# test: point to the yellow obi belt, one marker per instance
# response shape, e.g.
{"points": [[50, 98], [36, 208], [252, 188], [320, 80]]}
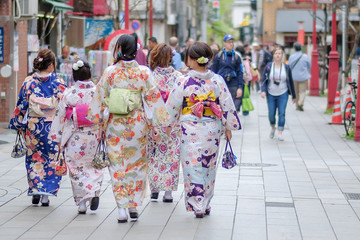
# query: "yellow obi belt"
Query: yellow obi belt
{"points": [[202, 105]]}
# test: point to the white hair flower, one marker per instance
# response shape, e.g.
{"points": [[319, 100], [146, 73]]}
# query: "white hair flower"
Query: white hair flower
{"points": [[78, 65], [75, 67], [202, 60]]}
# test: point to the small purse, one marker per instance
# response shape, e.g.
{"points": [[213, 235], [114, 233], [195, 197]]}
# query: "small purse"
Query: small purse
{"points": [[19, 149], [229, 158], [101, 158], [60, 166]]}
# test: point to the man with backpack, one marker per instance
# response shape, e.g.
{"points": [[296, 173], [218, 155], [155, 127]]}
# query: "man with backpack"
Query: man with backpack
{"points": [[300, 68], [227, 63]]}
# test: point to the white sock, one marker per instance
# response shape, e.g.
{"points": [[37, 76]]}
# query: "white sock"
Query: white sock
{"points": [[82, 205], [132, 209], [45, 199], [168, 194], [122, 213]]}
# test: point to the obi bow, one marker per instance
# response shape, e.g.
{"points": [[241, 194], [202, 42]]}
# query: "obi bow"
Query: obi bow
{"points": [[204, 101]]}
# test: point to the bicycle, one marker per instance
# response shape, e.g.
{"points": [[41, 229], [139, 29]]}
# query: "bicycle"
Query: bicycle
{"points": [[349, 115]]}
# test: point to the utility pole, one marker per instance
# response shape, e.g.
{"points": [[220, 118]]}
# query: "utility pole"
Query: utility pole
{"points": [[204, 15]]}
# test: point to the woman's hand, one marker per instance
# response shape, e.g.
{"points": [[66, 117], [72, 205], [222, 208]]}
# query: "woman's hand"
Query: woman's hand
{"points": [[228, 135], [239, 93], [263, 94], [294, 100]]}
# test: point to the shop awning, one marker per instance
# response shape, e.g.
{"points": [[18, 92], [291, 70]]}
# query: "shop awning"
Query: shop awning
{"points": [[60, 5]]}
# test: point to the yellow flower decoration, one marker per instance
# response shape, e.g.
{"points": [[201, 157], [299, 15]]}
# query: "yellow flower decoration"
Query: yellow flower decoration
{"points": [[202, 60]]}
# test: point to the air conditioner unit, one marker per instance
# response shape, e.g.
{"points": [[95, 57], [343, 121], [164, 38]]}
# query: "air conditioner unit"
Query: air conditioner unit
{"points": [[28, 8]]}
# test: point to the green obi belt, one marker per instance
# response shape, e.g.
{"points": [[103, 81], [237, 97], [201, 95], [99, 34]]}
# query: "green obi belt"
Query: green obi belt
{"points": [[123, 101]]}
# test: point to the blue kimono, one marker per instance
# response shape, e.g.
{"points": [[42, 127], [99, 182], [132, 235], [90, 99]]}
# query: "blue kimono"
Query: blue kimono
{"points": [[33, 115]]}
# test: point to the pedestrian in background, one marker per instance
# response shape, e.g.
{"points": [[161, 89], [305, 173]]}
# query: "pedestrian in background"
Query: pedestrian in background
{"points": [[176, 59], [33, 116], [76, 128], [126, 89], [65, 57], [152, 42], [300, 67], [228, 64], [164, 153], [276, 85], [201, 102]]}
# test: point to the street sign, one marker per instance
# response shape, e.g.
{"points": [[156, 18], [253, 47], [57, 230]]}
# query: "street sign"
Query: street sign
{"points": [[135, 25], [1, 44]]}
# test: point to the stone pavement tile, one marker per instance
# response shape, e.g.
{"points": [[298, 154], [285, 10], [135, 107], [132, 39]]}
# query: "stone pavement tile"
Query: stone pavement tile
{"points": [[250, 172], [344, 221], [250, 206], [313, 220], [250, 226], [283, 232], [303, 190], [251, 190], [252, 179], [279, 199]]}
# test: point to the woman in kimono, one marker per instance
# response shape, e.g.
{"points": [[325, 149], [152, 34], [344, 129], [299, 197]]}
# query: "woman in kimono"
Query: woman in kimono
{"points": [[33, 115], [134, 102], [202, 102], [164, 153], [77, 130]]}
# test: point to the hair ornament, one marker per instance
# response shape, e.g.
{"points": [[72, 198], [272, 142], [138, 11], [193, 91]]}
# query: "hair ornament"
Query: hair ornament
{"points": [[119, 53], [138, 46], [202, 60], [78, 65], [40, 59]]}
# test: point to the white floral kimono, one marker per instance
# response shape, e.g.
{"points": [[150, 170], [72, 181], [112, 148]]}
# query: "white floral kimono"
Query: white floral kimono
{"points": [[164, 154], [126, 135], [76, 127], [200, 132]]}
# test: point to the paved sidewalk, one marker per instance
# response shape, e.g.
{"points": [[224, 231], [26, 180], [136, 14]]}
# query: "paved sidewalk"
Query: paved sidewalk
{"points": [[306, 187]]}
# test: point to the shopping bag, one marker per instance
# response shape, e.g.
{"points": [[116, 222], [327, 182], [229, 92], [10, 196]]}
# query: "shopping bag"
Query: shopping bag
{"points": [[247, 104], [19, 149], [229, 158], [101, 158]]}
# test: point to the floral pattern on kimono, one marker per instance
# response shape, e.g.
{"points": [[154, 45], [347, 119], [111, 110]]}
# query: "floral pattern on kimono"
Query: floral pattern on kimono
{"points": [[41, 151], [79, 142], [200, 137], [126, 136], [164, 154]]}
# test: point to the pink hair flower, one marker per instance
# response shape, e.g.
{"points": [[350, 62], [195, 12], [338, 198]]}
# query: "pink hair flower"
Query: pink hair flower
{"points": [[40, 59]]}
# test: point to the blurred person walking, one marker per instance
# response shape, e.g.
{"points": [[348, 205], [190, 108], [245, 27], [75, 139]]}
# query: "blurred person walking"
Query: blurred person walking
{"points": [[176, 59], [276, 85], [300, 65], [33, 116], [164, 153], [76, 127], [127, 91], [152, 42], [201, 102]]}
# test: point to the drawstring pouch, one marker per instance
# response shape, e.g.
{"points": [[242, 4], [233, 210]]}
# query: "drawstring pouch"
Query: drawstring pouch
{"points": [[19, 149], [229, 158]]}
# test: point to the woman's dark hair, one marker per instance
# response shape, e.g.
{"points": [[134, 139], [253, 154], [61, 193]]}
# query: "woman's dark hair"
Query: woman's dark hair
{"points": [[128, 45], [44, 59], [241, 50], [83, 73], [198, 50], [160, 56]]}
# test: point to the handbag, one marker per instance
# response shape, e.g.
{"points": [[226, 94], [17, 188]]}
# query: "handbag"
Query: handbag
{"points": [[19, 149], [247, 104], [229, 158], [60, 165], [101, 158]]}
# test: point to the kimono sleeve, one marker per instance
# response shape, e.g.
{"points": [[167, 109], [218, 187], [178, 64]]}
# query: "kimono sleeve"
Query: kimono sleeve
{"points": [[155, 105], [102, 91], [230, 117], [175, 100], [57, 126], [17, 121]]}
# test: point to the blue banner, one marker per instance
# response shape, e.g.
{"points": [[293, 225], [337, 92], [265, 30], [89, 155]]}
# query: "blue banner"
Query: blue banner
{"points": [[1, 44]]}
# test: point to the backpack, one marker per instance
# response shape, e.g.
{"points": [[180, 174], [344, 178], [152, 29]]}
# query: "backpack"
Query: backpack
{"points": [[267, 58]]}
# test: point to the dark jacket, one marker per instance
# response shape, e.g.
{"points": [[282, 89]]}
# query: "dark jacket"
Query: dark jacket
{"points": [[229, 66], [289, 80]]}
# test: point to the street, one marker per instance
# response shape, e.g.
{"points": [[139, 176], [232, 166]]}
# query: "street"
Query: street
{"points": [[306, 187]]}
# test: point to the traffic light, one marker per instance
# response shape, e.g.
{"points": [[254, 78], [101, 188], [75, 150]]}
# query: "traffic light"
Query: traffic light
{"points": [[253, 4]]}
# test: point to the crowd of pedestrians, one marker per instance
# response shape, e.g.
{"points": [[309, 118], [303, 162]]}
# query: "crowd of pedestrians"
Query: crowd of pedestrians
{"points": [[152, 118]]}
